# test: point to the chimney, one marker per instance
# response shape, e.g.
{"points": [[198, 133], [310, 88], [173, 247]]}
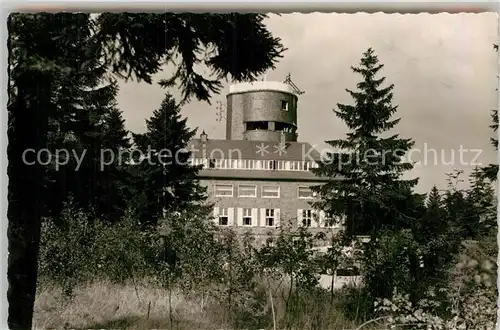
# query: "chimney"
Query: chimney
{"points": [[203, 137]]}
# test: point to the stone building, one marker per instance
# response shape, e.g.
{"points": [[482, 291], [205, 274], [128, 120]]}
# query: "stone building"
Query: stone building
{"points": [[259, 176]]}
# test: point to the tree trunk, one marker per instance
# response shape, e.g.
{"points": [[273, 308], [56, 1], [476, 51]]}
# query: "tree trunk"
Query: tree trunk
{"points": [[27, 129], [332, 286], [272, 306], [230, 293], [290, 293], [170, 314]]}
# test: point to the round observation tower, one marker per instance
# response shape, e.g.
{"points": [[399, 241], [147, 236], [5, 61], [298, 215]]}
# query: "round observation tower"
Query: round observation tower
{"points": [[262, 111]]}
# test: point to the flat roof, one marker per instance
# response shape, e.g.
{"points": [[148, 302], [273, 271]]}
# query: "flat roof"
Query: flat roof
{"points": [[261, 86], [260, 175]]}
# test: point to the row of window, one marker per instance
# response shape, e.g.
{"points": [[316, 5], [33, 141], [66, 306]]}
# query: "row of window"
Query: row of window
{"points": [[250, 164], [249, 217], [270, 126], [250, 190]]}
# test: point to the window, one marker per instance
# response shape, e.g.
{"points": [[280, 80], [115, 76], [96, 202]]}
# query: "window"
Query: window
{"points": [[270, 191], [247, 217], [284, 105], [223, 217], [247, 190], [285, 127], [223, 190], [307, 218], [329, 222], [257, 125], [305, 192], [348, 271], [333, 220], [269, 217]]}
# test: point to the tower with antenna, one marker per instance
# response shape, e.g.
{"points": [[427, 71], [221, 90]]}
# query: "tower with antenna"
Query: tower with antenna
{"points": [[262, 111], [260, 151]]}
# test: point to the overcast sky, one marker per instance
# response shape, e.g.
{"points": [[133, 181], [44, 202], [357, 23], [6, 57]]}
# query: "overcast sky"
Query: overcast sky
{"points": [[443, 67]]}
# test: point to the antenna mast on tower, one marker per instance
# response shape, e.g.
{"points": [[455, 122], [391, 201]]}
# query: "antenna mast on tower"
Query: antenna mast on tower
{"points": [[288, 80], [221, 112]]}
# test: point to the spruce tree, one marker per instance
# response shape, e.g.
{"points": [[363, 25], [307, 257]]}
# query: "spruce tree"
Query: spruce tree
{"points": [[43, 48], [46, 53], [481, 201], [366, 185], [116, 135], [165, 181], [494, 127], [433, 222], [490, 172], [457, 208], [92, 130], [436, 242], [471, 213], [113, 184]]}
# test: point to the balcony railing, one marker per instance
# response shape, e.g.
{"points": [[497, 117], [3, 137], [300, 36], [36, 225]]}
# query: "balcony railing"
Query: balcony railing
{"points": [[251, 164]]}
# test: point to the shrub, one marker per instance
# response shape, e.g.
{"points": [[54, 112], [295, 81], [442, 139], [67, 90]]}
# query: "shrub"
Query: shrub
{"points": [[68, 249], [77, 248]]}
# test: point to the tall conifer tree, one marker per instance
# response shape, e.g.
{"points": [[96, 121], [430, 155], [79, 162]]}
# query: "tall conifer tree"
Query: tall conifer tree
{"points": [[366, 184], [491, 171], [93, 129], [436, 242], [113, 184], [481, 201], [165, 181], [45, 48], [433, 222]]}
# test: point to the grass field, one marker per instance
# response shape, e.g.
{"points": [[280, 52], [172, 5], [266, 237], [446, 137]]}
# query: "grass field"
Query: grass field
{"points": [[103, 305]]}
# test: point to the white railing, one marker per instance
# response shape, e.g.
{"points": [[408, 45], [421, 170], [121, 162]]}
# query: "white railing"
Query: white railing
{"points": [[250, 164]]}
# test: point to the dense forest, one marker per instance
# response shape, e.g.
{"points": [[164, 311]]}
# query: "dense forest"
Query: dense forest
{"points": [[132, 244]]}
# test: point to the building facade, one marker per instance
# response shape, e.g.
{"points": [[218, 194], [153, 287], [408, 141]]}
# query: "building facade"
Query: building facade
{"points": [[259, 177]]}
